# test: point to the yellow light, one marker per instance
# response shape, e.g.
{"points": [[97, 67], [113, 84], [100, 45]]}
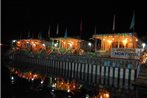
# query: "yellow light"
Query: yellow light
{"points": [[34, 45], [30, 73], [43, 45], [68, 90], [32, 42], [70, 45], [106, 95], [18, 42], [35, 75], [74, 86], [125, 41], [109, 41]]}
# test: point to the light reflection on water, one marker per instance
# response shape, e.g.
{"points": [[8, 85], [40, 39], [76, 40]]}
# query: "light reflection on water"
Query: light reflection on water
{"points": [[35, 85], [57, 84]]}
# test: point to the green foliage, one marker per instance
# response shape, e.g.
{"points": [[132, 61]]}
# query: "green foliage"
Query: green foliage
{"points": [[69, 51], [62, 50], [92, 54]]}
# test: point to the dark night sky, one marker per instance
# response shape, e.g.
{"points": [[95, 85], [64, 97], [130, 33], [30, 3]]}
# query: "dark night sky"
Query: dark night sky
{"points": [[21, 17]]}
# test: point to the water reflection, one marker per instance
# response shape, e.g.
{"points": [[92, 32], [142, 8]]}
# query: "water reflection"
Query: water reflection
{"points": [[35, 85], [103, 94], [56, 84]]}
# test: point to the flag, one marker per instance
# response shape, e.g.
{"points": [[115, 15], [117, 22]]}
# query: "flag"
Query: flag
{"points": [[39, 35], [49, 32], [65, 35], [133, 21], [57, 31], [113, 24]]}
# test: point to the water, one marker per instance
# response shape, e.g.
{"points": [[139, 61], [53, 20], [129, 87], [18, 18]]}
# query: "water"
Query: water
{"points": [[23, 88]]}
